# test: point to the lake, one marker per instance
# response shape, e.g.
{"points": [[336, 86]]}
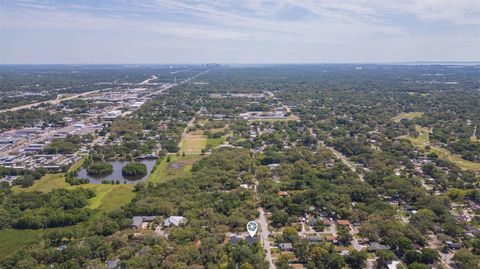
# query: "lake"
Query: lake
{"points": [[117, 173]]}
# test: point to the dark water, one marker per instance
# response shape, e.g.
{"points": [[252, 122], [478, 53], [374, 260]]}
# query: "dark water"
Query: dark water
{"points": [[117, 173]]}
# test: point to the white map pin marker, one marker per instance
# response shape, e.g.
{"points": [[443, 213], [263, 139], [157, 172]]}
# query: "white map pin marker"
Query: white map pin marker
{"points": [[252, 228]]}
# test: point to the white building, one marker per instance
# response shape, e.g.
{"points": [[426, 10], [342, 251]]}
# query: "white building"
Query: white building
{"points": [[113, 114], [175, 220]]}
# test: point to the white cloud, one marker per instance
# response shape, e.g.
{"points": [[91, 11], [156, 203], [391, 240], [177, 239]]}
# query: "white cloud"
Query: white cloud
{"points": [[293, 27]]}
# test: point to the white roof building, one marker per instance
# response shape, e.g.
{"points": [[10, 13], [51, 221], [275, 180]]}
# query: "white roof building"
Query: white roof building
{"points": [[175, 220]]}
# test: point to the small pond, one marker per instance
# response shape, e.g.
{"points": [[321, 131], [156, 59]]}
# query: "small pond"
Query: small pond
{"points": [[117, 173]]}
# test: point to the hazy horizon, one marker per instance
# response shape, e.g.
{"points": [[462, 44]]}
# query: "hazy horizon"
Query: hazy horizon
{"points": [[234, 32]]}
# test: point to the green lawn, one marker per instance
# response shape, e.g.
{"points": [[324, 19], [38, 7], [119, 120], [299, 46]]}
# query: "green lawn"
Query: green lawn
{"points": [[46, 183], [50, 181], [110, 197], [409, 116], [12, 240], [423, 140], [193, 143], [76, 165], [215, 142], [456, 159], [164, 172], [107, 198]]}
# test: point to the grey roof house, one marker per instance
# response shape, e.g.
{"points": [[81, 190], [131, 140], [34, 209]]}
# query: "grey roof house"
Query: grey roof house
{"points": [[286, 246], [138, 220], [375, 246]]}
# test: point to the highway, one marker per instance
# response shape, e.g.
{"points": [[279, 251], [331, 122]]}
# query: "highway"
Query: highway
{"points": [[53, 102], [145, 82]]}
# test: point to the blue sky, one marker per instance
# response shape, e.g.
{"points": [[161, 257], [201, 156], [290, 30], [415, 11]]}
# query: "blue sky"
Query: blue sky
{"points": [[251, 31]]}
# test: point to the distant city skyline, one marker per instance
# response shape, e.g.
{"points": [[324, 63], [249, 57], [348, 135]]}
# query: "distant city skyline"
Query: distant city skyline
{"points": [[235, 32]]}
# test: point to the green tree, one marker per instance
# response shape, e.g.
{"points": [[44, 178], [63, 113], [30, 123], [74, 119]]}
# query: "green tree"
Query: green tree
{"points": [[465, 259], [429, 256], [417, 265], [357, 259]]}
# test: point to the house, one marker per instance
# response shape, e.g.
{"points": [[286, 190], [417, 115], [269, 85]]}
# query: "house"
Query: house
{"points": [[456, 245], [296, 266], [282, 193], [234, 239], [326, 222], [375, 246], [314, 239], [286, 246], [35, 147], [343, 222], [174, 220], [137, 221], [218, 116], [393, 264], [331, 238], [273, 165]]}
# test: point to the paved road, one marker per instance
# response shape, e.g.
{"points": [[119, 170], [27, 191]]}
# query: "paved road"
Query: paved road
{"points": [[153, 77], [189, 124], [345, 160], [264, 232], [342, 157], [371, 263], [54, 102], [446, 259], [185, 131]]}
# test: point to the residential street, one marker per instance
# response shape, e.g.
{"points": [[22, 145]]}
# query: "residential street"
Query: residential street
{"points": [[345, 160], [264, 232]]}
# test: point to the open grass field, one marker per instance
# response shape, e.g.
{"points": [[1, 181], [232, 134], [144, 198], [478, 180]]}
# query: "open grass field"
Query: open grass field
{"points": [[423, 140], [456, 159], [409, 116], [193, 142], [110, 197], [51, 181], [107, 198], [12, 240], [46, 184], [76, 165], [177, 167], [215, 142]]}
